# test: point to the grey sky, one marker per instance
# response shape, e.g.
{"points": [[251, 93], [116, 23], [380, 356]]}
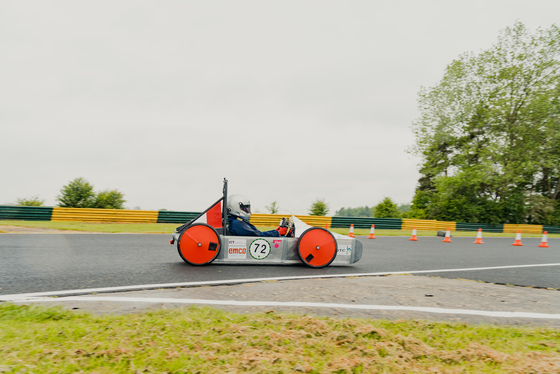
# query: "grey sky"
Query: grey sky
{"points": [[290, 100]]}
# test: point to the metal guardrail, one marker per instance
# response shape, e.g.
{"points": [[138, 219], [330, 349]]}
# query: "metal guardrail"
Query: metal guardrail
{"points": [[529, 229], [365, 223], [166, 216], [552, 229], [425, 224], [259, 219], [29, 213], [486, 227], [104, 215], [8, 212]]}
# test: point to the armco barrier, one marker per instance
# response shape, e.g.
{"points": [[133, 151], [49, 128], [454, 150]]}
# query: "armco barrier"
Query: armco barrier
{"points": [[530, 229], [461, 226], [166, 216], [259, 219], [552, 229], [425, 224], [365, 223], [29, 213], [104, 215], [8, 212]]}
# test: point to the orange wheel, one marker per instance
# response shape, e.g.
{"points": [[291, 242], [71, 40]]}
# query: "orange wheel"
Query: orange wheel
{"points": [[317, 247], [199, 244]]}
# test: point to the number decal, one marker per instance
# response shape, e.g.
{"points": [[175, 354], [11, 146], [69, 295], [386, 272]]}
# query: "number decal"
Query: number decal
{"points": [[259, 249]]}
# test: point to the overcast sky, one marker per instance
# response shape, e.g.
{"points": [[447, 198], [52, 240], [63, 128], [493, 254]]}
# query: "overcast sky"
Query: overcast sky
{"points": [[291, 101]]}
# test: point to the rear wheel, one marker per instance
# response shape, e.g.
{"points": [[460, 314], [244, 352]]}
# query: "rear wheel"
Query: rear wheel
{"points": [[317, 247], [199, 244]]}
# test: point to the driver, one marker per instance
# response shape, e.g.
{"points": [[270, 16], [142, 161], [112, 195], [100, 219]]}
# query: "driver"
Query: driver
{"points": [[239, 209]]}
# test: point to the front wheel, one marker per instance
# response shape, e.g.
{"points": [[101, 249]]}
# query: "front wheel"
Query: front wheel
{"points": [[199, 244]]}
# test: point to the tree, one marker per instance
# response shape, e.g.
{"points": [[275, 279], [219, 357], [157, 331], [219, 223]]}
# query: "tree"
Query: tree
{"points": [[34, 201], [404, 208], [273, 208], [386, 209], [319, 208], [489, 133], [109, 200], [77, 194], [363, 211]]}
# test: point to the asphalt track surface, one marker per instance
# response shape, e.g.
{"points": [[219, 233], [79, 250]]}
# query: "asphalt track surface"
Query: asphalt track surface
{"points": [[31, 263]]}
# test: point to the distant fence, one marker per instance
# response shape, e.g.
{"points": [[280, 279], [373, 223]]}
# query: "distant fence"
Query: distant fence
{"points": [[104, 215], [8, 212], [28, 213], [166, 216]]}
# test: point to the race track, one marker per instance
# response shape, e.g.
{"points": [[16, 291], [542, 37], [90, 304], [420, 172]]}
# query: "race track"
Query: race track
{"points": [[32, 263]]}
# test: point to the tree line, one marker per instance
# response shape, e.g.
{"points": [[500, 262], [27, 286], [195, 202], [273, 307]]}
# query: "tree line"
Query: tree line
{"points": [[79, 193], [489, 134]]}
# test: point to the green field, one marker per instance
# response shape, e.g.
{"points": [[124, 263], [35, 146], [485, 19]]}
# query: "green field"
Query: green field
{"points": [[205, 340], [168, 228]]}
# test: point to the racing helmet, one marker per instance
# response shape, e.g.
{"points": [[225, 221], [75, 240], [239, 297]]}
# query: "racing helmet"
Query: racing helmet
{"points": [[240, 206]]}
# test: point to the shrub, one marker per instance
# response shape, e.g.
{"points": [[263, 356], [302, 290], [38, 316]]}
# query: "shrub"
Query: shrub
{"points": [[33, 201]]}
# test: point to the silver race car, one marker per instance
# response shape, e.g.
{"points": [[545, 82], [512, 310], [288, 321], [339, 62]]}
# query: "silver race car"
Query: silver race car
{"points": [[205, 240]]}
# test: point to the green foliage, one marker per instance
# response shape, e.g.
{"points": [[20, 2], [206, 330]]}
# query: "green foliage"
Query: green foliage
{"points": [[272, 208], [319, 208], [404, 208], [34, 201], [386, 209], [489, 134], [109, 200], [420, 203], [363, 211], [79, 194]]}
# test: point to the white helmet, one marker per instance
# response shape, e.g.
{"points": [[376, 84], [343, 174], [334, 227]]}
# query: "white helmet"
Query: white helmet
{"points": [[240, 206]]}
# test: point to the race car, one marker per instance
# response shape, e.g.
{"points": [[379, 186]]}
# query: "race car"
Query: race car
{"points": [[205, 240]]}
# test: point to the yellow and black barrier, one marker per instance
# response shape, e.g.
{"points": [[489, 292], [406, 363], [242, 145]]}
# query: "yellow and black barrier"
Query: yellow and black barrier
{"points": [[8, 212], [525, 229], [259, 219], [425, 224], [104, 215]]}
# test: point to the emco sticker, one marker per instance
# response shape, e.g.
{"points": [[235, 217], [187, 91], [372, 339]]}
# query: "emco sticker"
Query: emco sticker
{"points": [[344, 250], [259, 249], [237, 249]]}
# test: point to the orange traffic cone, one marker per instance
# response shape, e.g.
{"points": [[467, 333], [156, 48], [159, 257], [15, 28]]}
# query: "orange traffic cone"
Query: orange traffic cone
{"points": [[479, 237], [518, 239], [544, 241], [326, 225], [351, 234], [414, 238], [447, 238], [372, 232]]}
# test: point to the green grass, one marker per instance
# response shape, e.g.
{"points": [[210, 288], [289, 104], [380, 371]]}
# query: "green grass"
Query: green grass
{"points": [[168, 228], [40, 339]]}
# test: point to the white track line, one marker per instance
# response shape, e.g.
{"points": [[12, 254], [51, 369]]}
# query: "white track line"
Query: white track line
{"points": [[485, 313], [86, 291]]}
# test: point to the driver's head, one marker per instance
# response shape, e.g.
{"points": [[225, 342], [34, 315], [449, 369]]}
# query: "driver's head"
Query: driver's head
{"points": [[240, 206]]}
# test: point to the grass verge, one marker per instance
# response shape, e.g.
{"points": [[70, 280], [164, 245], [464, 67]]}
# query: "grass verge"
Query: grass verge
{"points": [[168, 228], [42, 339]]}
